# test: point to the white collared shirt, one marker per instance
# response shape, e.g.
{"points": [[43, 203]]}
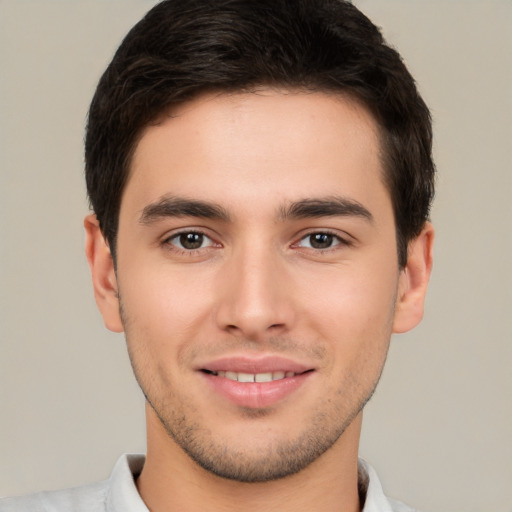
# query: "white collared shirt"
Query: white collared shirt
{"points": [[119, 493]]}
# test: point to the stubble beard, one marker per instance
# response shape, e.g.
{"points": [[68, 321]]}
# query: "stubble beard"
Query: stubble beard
{"points": [[281, 457]]}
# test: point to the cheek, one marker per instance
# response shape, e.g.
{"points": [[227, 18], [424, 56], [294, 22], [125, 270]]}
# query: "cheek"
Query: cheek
{"points": [[160, 322], [351, 300], [160, 295], [163, 311], [352, 313]]}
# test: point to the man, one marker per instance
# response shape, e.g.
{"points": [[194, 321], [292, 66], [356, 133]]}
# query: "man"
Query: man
{"points": [[261, 176]]}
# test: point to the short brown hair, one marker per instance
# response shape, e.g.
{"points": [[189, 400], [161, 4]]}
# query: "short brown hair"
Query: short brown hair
{"points": [[183, 48]]}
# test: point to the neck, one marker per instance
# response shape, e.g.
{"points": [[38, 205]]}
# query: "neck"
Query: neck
{"points": [[170, 480]]}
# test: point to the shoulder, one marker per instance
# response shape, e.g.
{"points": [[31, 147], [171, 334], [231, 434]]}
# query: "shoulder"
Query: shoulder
{"points": [[117, 494], [370, 489], [398, 506], [88, 498]]}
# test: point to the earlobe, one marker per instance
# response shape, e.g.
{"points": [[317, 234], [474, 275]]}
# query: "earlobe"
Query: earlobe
{"points": [[103, 274], [413, 282]]}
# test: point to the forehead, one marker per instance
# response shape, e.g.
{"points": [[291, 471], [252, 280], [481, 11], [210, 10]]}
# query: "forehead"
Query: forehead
{"points": [[264, 144]]}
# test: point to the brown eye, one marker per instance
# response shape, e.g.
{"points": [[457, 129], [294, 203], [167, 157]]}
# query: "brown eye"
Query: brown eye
{"points": [[320, 241], [190, 241]]}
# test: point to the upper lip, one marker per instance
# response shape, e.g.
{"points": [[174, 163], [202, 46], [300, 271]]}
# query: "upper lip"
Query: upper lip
{"points": [[265, 364]]}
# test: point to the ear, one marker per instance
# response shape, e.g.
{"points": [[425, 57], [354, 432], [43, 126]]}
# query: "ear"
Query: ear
{"points": [[103, 274], [413, 281]]}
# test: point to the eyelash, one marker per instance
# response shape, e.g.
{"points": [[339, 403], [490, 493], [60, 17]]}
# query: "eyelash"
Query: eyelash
{"points": [[168, 242], [340, 241]]}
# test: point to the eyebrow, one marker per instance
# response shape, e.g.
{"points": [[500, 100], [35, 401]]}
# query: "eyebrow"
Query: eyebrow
{"points": [[306, 208], [325, 207], [182, 207]]}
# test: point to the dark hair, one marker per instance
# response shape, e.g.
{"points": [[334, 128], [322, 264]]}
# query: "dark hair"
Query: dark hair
{"points": [[182, 48]]}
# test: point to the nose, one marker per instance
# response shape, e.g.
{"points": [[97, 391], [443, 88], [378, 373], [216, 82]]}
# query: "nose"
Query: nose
{"points": [[256, 296]]}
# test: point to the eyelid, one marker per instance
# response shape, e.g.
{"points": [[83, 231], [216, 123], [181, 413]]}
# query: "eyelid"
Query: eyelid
{"points": [[342, 239], [167, 240]]}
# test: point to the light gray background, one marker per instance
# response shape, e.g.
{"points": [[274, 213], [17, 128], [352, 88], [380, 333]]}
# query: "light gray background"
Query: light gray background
{"points": [[439, 427]]}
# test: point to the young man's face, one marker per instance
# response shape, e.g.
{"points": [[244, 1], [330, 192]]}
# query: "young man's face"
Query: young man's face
{"points": [[257, 243]]}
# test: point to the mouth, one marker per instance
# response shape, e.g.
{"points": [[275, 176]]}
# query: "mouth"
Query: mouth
{"points": [[253, 377], [255, 384]]}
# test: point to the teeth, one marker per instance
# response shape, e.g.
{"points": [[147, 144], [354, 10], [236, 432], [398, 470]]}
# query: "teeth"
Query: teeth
{"points": [[263, 377], [255, 377]]}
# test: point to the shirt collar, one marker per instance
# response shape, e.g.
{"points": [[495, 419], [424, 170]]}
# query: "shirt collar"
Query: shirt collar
{"points": [[371, 488], [124, 497]]}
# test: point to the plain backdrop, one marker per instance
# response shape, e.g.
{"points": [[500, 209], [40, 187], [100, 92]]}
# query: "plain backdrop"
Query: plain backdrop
{"points": [[438, 429]]}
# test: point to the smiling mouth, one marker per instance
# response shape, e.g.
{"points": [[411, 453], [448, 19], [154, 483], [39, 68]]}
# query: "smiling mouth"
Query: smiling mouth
{"points": [[255, 385], [253, 377]]}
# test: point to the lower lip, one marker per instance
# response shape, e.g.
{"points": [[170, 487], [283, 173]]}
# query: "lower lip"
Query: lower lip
{"points": [[256, 395]]}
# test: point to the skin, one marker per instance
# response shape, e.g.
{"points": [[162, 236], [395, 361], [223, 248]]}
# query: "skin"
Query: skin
{"points": [[269, 277]]}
